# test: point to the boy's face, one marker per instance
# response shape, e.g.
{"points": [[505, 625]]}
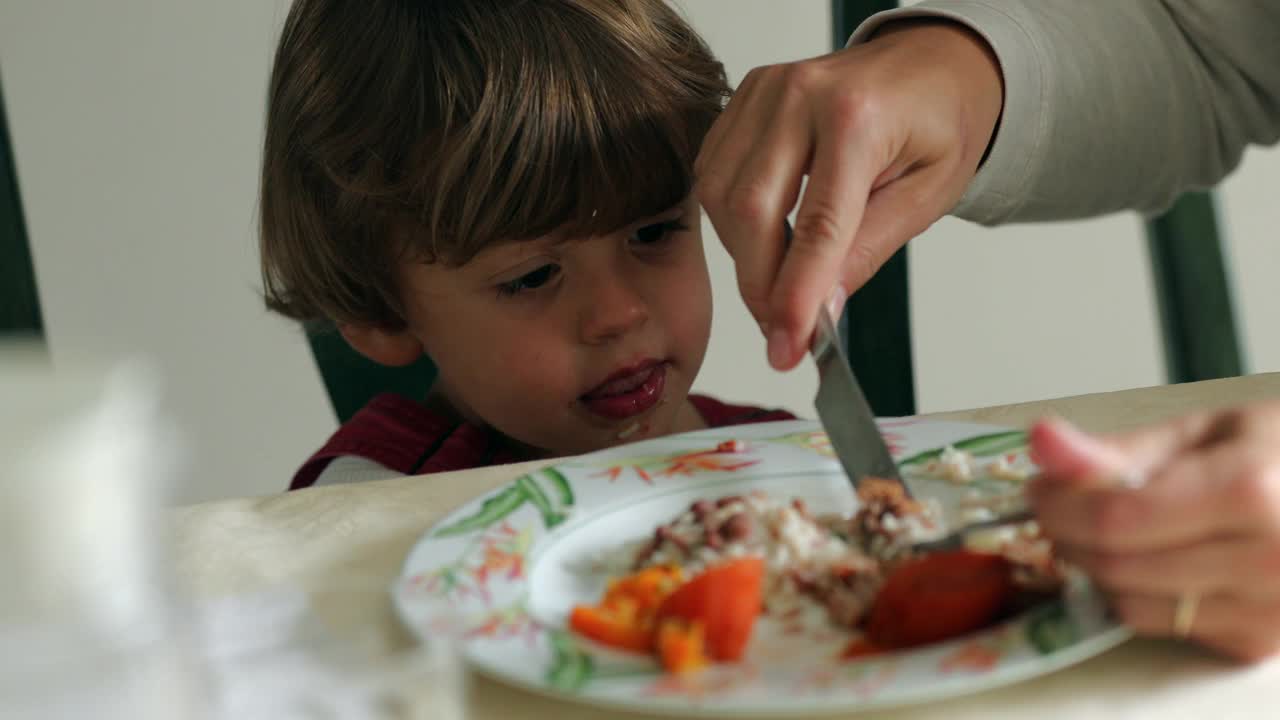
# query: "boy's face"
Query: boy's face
{"points": [[571, 344]]}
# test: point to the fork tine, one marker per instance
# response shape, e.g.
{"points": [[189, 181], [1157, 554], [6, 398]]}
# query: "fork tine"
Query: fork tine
{"points": [[954, 540]]}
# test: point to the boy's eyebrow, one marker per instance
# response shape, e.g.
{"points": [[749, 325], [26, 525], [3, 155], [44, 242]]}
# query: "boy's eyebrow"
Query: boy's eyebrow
{"points": [[543, 243], [558, 238]]}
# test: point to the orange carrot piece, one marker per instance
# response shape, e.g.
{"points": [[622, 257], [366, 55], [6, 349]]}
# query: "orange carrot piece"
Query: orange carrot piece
{"points": [[681, 645], [611, 628]]}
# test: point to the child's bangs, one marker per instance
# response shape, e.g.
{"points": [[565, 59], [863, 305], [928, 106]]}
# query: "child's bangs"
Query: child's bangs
{"points": [[581, 129], [632, 163]]}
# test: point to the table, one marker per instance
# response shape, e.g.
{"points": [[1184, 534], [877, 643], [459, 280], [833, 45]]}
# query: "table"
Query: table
{"points": [[365, 531]]}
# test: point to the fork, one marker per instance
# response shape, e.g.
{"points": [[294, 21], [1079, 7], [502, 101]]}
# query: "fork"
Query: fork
{"points": [[954, 539]]}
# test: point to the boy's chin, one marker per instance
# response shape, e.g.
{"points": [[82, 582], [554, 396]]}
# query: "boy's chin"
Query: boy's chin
{"points": [[591, 434]]}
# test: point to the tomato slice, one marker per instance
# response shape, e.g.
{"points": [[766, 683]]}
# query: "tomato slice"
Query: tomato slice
{"points": [[726, 599], [939, 596]]}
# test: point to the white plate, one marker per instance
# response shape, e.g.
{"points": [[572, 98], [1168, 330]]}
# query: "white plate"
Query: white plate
{"points": [[509, 567]]}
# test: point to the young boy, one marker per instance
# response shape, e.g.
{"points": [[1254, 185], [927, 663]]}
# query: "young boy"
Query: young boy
{"points": [[505, 187]]}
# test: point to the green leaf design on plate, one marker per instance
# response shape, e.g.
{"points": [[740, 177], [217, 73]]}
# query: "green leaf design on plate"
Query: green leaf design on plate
{"points": [[1050, 629], [509, 499], [561, 485], [491, 511], [980, 446], [571, 667], [551, 517]]}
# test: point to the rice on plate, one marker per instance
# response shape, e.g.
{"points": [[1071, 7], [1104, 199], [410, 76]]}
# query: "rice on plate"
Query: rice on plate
{"points": [[756, 554]]}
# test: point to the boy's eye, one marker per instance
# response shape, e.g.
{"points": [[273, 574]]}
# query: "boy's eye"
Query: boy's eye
{"points": [[529, 281], [657, 232]]}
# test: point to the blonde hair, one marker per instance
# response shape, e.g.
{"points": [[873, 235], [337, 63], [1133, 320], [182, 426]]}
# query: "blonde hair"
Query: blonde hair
{"points": [[431, 129]]}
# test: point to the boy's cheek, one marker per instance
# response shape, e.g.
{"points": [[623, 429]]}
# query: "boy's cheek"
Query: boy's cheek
{"points": [[686, 302], [518, 371]]}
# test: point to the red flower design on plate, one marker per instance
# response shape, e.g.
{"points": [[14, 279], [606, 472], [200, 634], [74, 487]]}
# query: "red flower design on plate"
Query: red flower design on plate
{"points": [[727, 456], [973, 656], [497, 553]]}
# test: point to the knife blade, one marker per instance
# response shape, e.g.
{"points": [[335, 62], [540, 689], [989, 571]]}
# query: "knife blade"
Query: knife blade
{"points": [[844, 412], [843, 409]]}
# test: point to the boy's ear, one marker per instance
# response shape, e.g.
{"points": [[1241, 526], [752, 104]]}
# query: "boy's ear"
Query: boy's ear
{"points": [[384, 347]]}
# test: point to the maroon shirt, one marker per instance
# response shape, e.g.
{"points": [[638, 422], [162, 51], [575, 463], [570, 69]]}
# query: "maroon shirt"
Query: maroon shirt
{"points": [[408, 437]]}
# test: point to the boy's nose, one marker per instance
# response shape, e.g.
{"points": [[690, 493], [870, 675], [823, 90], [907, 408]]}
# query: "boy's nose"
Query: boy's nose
{"points": [[611, 310]]}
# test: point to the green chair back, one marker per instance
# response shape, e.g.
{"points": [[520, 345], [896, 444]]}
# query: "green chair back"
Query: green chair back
{"points": [[877, 318], [19, 303], [352, 379], [1193, 292]]}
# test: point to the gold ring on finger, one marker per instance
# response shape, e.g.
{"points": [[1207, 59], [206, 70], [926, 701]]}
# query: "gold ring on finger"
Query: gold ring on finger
{"points": [[1184, 614]]}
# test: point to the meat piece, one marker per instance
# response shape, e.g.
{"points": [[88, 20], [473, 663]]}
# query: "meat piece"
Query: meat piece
{"points": [[728, 500], [738, 527], [883, 496], [711, 536], [666, 535], [880, 525]]}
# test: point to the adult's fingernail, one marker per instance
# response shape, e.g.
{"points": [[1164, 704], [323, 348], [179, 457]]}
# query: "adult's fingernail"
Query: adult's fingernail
{"points": [[1069, 430], [779, 348], [836, 300], [1111, 467], [1131, 479]]}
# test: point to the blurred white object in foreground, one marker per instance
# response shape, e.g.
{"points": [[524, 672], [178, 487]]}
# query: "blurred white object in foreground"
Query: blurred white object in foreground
{"points": [[328, 651], [91, 624], [87, 618]]}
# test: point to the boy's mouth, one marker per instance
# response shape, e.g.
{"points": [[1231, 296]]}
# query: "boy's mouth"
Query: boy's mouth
{"points": [[629, 391]]}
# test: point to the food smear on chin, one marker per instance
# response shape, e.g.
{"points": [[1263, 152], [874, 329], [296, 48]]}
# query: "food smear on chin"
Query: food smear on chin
{"points": [[630, 430]]}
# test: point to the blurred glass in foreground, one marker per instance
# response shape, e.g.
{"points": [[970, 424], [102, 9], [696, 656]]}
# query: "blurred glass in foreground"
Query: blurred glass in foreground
{"points": [[88, 622], [91, 621]]}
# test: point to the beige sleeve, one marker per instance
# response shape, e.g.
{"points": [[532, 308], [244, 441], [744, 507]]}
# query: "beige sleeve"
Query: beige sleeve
{"points": [[1116, 104]]}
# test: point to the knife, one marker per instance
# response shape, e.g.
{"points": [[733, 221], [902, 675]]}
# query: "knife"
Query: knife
{"points": [[843, 409]]}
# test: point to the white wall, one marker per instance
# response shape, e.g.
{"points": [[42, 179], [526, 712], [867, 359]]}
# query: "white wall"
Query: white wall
{"points": [[137, 126]]}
